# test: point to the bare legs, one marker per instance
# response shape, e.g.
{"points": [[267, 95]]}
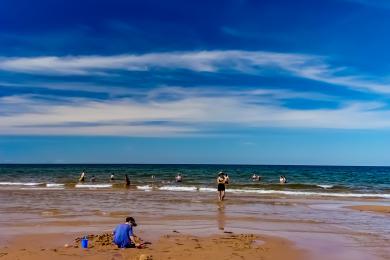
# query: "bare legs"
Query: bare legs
{"points": [[221, 195]]}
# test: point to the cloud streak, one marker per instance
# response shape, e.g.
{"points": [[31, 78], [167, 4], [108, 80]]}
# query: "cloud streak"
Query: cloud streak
{"points": [[174, 110], [227, 61], [200, 61], [190, 113]]}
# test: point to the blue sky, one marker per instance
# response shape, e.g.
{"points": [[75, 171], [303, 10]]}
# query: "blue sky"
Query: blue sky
{"points": [[257, 82]]}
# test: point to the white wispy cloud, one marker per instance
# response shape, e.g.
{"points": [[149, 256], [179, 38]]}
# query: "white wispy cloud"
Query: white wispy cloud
{"points": [[175, 110], [305, 66], [187, 114], [202, 61]]}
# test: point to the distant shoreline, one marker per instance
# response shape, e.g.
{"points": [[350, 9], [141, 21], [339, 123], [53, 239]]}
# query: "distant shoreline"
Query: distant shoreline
{"points": [[200, 164]]}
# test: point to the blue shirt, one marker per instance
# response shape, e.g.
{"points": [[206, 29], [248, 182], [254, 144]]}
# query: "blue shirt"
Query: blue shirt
{"points": [[122, 234]]}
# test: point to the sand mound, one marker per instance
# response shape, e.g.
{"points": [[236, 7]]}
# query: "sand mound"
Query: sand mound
{"points": [[96, 241]]}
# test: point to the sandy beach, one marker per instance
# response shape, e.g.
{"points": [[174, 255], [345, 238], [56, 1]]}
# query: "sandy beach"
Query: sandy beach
{"points": [[37, 224], [172, 246]]}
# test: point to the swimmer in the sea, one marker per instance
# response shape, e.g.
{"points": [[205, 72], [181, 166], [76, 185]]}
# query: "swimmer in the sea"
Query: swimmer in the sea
{"points": [[82, 176], [179, 178], [112, 177], [93, 178], [282, 179], [127, 180], [256, 177]]}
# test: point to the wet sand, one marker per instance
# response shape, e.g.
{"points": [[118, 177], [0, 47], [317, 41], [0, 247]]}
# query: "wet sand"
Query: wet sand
{"points": [[176, 246], [371, 208]]}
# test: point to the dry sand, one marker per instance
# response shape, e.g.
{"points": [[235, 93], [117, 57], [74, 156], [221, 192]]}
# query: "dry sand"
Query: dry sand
{"points": [[372, 208], [176, 246]]}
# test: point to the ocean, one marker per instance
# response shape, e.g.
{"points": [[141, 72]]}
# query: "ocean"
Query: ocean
{"points": [[336, 181]]}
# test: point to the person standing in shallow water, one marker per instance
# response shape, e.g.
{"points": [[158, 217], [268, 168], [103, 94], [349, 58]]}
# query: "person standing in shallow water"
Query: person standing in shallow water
{"points": [[179, 178], [221, 181], [82, 176], [127, 181]]}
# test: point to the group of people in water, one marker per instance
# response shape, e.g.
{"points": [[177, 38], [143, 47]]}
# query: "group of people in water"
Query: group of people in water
{"points": [[222, 181], [178, 178], [123, 234], [93, 178]]}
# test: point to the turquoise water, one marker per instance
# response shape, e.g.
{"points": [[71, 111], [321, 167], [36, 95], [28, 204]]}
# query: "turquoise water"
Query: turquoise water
{"points": [[302, 180]]}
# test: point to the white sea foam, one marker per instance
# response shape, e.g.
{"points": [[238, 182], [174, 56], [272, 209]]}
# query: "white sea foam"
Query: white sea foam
{"points": [[145, 187], [93, 186], [324, 186], [282, 192], [204, 189], [43, 188], [20, 183], [55, 185], [308, 193], [178, 188]]}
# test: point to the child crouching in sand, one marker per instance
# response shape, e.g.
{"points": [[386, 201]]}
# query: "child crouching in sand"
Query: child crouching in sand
{"points": [[124, 235]]}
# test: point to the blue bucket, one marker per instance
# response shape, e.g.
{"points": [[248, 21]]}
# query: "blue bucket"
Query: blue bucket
{"points": [[84, 243]]}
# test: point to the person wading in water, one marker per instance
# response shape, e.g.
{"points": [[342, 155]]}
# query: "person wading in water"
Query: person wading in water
{"points": [[221, 181]]}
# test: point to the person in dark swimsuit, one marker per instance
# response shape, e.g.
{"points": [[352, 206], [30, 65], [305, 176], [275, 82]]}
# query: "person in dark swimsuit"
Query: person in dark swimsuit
{"points": [[179, 178], [127, 181], [221, 180]]}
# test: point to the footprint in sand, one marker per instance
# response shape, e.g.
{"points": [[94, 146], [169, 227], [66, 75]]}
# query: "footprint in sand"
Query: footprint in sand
{"points": [[145, 257], [116, 257]]}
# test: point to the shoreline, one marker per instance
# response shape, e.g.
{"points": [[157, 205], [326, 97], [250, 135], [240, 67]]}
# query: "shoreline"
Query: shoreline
{"points": [[273, 190]]}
